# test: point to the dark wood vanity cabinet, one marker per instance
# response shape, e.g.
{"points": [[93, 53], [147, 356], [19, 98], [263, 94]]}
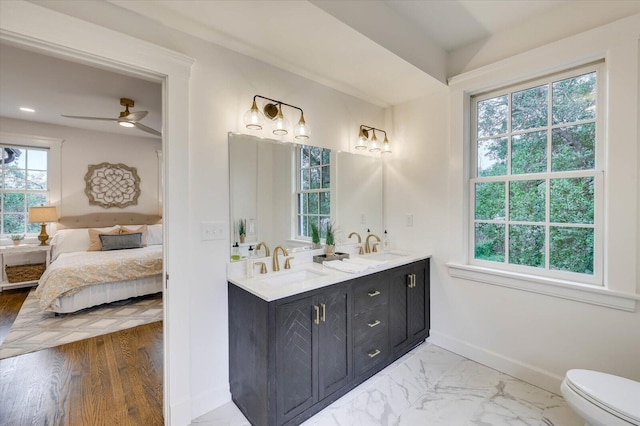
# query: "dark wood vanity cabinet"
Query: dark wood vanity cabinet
{"points": [[312, 350], [409, 306], [292, 357]]}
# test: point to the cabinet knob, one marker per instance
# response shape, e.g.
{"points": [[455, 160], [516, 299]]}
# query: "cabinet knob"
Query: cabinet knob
{"points": [[374, 353], [373, 324], [373, 293]]}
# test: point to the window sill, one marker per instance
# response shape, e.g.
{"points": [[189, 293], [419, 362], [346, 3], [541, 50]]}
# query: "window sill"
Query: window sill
{"points": [[551, 287]]}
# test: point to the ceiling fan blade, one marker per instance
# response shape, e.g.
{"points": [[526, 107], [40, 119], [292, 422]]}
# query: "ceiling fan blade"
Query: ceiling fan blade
{"points": [[147, 129], [90, 118], [136, 116]]}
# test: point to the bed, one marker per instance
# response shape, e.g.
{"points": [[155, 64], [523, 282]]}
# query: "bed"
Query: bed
{"points": [[81, 276]]}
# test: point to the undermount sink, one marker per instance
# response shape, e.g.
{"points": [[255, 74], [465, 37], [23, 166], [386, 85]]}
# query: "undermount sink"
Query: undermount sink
{"points": [[290, 277], [389, 255]]}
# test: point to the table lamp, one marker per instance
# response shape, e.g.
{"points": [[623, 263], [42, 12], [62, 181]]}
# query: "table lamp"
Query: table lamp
{"points": [[43, 215]]}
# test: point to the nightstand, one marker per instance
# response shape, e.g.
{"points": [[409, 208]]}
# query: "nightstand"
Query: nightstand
{"points": [[8, 252]]}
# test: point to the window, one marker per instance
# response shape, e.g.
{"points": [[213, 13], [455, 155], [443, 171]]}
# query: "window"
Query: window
{"points": [[23, 184], [313, 190], [536, 191]]}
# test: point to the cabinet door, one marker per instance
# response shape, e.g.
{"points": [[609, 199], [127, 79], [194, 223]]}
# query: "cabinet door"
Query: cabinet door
{"points": [[418, 303], [295, 361], [409, 305], [333, 342]]}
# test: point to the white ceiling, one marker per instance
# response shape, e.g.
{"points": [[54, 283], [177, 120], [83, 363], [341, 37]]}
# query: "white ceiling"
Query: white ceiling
{"points": [[383, 51], [53, 87]]}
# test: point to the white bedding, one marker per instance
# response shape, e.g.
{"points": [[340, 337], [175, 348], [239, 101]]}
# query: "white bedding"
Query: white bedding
{"points": [[106, 293], [73, 272]]}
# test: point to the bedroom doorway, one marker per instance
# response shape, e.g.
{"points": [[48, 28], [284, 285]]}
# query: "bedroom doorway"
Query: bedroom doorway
{"points": [[119, 53]]}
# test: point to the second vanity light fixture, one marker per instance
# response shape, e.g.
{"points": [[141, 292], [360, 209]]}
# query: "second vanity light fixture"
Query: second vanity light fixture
{"points": [[373, 145], [254, 119]]}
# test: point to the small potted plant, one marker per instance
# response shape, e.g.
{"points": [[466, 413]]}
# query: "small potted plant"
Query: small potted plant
{"points": [[315, 236], [330, 242], [17, 239], [242, 230]]}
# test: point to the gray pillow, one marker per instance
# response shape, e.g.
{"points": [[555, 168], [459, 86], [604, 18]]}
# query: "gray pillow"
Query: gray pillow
{"points": [[121, 241]]}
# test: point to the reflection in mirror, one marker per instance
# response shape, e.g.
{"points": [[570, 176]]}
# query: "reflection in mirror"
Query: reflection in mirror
{"points": [[279, 189]]}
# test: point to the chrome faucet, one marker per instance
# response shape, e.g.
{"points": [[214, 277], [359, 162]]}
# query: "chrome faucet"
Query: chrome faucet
{"points": [[267, 253], [359, 241], [276, 264], [367, 247]]}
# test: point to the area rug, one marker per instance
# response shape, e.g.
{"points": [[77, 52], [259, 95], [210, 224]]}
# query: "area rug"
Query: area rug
{"points": [[34, 330]]}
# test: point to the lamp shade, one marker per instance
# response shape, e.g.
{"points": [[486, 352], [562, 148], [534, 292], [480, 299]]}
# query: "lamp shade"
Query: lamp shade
{"points": [[42, 214]]}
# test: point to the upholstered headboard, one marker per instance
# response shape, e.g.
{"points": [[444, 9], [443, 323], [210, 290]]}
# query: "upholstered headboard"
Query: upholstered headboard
{"points": [[100, 220]]}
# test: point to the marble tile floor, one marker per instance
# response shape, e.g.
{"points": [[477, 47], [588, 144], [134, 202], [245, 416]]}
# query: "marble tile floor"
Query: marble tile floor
{"points": [[432, 386]]}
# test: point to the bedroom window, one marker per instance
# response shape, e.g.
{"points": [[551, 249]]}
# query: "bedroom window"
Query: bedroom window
{"points": [[313, 190], [23, 184], [536, 190]]}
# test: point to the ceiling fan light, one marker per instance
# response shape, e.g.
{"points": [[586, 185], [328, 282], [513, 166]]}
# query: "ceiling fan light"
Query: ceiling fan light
{"points": [[302, 129], [254, 119], [126, 124], [281, 124]]}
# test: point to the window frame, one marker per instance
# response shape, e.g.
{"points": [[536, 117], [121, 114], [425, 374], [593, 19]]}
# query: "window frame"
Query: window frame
{"points": [[54, 160], [598, 174], [298, 190]]}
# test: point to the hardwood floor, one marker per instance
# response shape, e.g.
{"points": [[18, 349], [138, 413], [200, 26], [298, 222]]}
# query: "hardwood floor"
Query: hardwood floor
{"points": [[113, 379], [10, 303]]}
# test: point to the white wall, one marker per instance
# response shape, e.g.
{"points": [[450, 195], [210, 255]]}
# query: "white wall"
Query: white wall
{"points": [[83, 147], [533, 336], [221, 88], [528, 333]]}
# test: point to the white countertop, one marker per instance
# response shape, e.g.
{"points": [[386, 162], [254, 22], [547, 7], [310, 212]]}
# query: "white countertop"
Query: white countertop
{"points": [[308, 276]]}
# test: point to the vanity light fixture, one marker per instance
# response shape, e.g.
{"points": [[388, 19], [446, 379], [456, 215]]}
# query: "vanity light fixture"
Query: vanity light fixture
{"points": [[254, 118], [373, 145]]}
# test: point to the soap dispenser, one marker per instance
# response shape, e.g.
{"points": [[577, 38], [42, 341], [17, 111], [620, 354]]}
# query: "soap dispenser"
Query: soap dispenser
{"points": [[386, 244], [235, 251], [250, 262]]}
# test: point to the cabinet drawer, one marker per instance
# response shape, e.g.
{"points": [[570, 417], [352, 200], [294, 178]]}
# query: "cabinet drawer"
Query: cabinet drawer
{"points": [[370, 322], [367, 295], [370, 349]]}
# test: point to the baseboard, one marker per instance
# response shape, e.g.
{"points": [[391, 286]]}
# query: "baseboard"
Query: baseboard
{"points": [[179, 414], [209, 400], [528, 373]]}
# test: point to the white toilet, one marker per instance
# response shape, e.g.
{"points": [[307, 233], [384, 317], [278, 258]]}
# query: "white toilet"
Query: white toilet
{"points": [[602, 399]]}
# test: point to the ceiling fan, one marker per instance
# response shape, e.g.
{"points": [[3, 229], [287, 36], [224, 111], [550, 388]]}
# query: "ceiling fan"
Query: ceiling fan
{"points": [[126, 119]]}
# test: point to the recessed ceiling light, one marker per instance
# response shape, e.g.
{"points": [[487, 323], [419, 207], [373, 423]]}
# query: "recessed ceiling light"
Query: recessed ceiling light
{"points": [[26, 109]]}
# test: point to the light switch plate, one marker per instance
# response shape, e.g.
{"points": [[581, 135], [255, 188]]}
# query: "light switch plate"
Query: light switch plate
{"points": [[210, 231]]}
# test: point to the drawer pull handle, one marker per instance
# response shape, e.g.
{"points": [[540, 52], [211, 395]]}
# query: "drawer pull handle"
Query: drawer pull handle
{"points": [[374, 353], [373, 324], [411, 278], [323, 317], [317, 319], [373, 293]]}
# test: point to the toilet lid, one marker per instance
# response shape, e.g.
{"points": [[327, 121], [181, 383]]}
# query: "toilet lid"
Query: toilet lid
{"points": [[615, 394]]}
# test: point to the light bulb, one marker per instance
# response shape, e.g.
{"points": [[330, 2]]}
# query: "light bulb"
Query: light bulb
{"points": [[302, 130], [374, 146], [362, 141], [281, 124], [386, 149], [126, 124], [253, 119]]}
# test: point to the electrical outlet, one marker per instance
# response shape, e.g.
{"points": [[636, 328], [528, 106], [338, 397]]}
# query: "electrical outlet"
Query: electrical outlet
{"points": [[210, 231]]}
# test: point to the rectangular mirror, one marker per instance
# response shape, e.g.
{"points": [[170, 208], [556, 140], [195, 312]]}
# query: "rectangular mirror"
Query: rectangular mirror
{"points": [[278, 189]]}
